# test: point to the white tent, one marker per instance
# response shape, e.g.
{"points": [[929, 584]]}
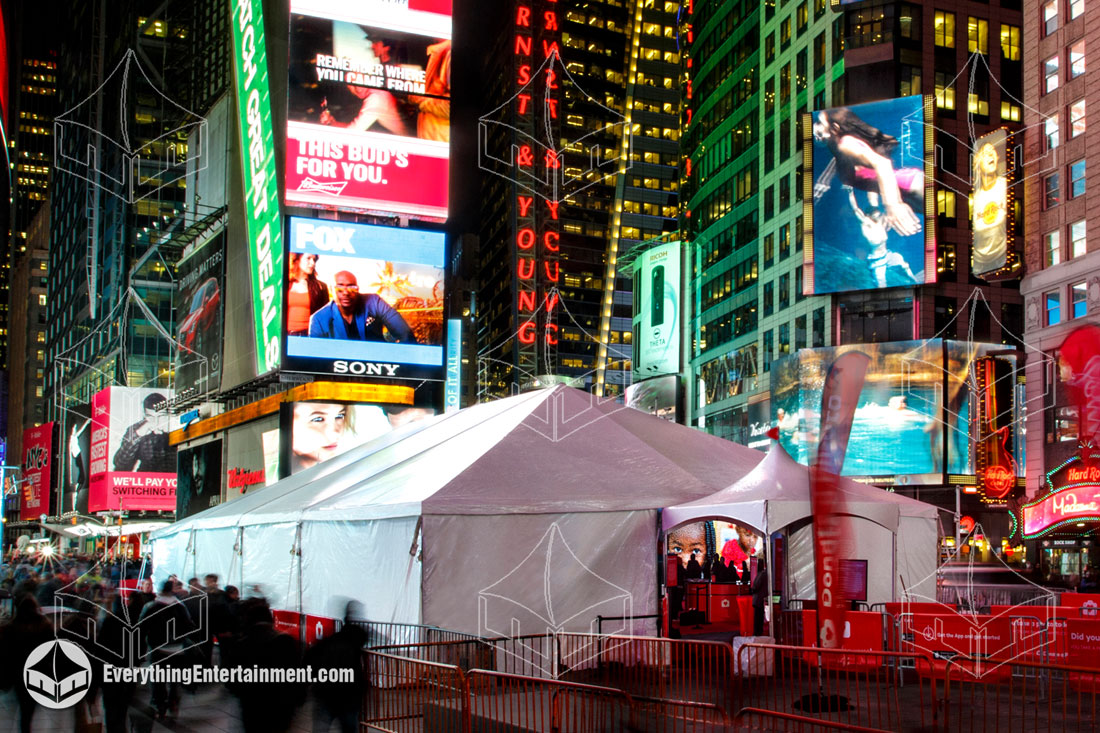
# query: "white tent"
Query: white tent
{"points": [[536, 511], [896, 535]]}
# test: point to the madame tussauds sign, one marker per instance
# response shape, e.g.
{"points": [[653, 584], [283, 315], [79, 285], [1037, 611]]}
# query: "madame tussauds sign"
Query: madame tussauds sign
{"points": [[1079, 503]]}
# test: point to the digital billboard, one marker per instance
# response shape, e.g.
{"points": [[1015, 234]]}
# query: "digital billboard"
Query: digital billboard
{"points": [[657, 311], [252, 456], [200, 305], [658, 396], [989, 222], [705, 542], [132, 465], [76, 436], [364, 300], [323, 430], [37, 471], [369, 110], [199, 474], [868, 206]]}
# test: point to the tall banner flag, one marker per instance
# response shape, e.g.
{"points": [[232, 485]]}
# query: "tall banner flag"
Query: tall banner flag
{"points": [[1080, 355], [838, 406]]}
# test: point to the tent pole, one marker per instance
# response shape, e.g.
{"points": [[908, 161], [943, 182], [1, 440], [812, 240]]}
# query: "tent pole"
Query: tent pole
{"points": [[771, 572]]}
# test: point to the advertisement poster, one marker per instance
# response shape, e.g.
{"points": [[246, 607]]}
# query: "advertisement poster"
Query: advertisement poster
{"points": [[200, 304], [722, 548], [364, 300], [199, 476], [657, 311], [659, 396], [132, 465], [369, 108], [898, 426], [37, 464], [990, 198], [323, 430], [252, 456], [867, 225], [76, 435]]}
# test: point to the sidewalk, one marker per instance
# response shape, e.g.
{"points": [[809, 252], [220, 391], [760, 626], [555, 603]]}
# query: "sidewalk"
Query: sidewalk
{"points": [[211, 708]]}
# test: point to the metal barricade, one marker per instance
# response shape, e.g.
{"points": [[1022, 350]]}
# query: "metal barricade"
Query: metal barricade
{"points": [[409, 695], [769, 720]]}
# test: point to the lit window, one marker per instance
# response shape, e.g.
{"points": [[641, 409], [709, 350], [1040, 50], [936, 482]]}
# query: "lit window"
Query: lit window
{"points": [[42, 300], [1078, 298], [1077, 178], [977, 35], [1077, 59], [1077, 118], [1053, 248], [945, 91], [945, 29], [1050, 16], [1076, 7], [1052, 191], [1050, 129], [1010, 112], [976, 105], [945, 203], [1050, 74], [1077, 242], [1010, 42], [1053, 307]]}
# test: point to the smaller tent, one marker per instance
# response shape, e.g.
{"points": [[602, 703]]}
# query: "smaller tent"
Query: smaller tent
{"points": [[895, 534]]}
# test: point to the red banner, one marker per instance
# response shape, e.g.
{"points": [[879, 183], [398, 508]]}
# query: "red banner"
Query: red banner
{"points": [[1080, 354], [838, 406], [1089, 603], [37, 455]]}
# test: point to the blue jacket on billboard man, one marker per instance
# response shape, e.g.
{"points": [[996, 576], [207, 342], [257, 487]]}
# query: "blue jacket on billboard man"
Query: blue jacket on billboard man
{"points": [[358, 317]]}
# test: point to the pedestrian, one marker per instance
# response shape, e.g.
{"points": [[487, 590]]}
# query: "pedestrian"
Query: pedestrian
{"points": [[217, 611], [759, 597], [161, 638], [18, 638], [266, 707], [339, 701], [113, 640]]}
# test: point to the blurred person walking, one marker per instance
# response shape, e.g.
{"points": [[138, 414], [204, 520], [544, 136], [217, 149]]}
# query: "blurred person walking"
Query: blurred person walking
{"points": [[18, 638], [339, 701], [266, 707]]}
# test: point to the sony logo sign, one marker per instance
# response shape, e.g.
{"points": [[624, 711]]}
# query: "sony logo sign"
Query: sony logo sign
{"points": [[325, 237], [341, 366]]}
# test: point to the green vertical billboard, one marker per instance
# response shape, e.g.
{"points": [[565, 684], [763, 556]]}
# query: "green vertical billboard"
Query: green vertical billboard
{"points": [[657, 311], [261, 185]]}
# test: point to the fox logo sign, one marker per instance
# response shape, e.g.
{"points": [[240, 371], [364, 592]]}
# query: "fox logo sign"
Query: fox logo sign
{"points": [[325, 237]]}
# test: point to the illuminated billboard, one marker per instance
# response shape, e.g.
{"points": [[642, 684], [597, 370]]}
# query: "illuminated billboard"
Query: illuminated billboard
{"points": [[659, 396], [37, 471], [868, 206], [200, 304], [369, 110], [657, 311], [199, 476], [989, 221], [132, 466], [364, 300], [261, 184], [323, 430]]}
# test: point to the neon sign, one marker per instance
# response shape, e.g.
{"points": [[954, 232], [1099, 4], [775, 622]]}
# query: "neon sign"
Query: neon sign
{"points": [[1074, 496]]}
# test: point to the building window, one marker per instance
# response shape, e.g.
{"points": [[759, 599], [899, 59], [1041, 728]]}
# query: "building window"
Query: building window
{"points": [[1077, 242], [945, 29], [42, 299], [1077, 118], [909, 81], [798, 284], [945, 92], [769, 298], [800, 333], [818, 329], [945, 203], [785, 33], [769, 350], [784, 193], [784, 241], [785, 84], [1053, 307], [1050, 129], [1010, 42], [1076, 7], [784, 291], [769, 249], [803, 16], [1078, 298], [1050, 16], [1077, 178], [909, 22], [769, 96], [1050, 75], [1010, 112], [1052, 191], [784, 339], [820, 59], [769, 48], [977, 35], [1053, 248], [1077, 59]]}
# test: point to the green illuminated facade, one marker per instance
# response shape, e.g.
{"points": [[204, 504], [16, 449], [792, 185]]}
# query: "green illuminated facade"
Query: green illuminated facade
{"points": [[753, 68]]}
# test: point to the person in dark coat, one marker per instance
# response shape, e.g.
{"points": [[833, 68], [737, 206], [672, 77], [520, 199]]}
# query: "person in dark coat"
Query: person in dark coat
{"points": [[113, 640], [161, 617], [759, 597], [339, 701], [18, 638], [265, 707]]}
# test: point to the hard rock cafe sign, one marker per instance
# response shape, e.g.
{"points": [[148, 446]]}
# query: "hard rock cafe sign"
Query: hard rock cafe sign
{"points": [[1073, 496]]}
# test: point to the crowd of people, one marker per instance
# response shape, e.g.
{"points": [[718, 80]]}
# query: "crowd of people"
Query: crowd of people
{"points": [[195, 623]]}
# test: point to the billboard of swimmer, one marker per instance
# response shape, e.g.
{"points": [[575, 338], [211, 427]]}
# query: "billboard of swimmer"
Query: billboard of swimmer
{"points": [[869, 219]]}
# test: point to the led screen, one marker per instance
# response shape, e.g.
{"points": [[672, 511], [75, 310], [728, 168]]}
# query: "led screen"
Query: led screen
{"points": [[200, 304], [659, 396], [200, 478], [898, 427], [657, 311], [132, 465], [37, 471], [364, 300], [323, 430], [369, 105], [720, 548], [989, 221], [76, 435], [867, 217]]}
